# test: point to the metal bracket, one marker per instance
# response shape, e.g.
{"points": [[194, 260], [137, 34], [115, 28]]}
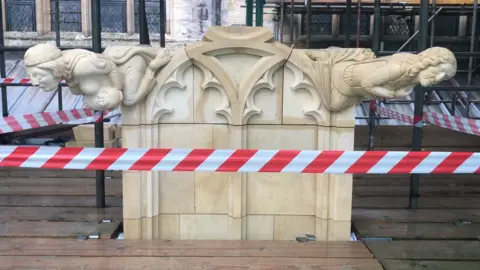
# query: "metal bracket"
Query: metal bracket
{"points": [[306, 238], [95, 235], [82, 237], [461, 222]]}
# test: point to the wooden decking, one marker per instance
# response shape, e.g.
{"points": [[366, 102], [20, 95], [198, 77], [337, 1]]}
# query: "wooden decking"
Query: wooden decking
{"points": [[443, 233], [43, 212], [56, 204], [199, 254]]}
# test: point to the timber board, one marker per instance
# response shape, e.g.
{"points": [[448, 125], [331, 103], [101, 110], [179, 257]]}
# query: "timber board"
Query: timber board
{"points": [[425, 249], [59, 229], [183, 254], [160, 263], [57, 201], [186, 248], [56, 181], [59, 213], [111, 189], [425, 180], [429, 265], [401, 136], [424, 231], [416, 215], [423, 202], [34, 172], [425, 191]]}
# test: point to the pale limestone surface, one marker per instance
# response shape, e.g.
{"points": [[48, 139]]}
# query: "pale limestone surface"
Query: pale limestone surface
{"points": [[122, 74], [239, 89]]}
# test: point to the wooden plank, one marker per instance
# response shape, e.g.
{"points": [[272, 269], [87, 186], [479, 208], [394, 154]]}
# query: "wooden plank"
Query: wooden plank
{"points": [[187, 248], [59, 213], [56, 181], [402, 180], [426, 231], [415, 215], [423, 202], [59, 201], [425, 250], [401, 136], [30, 172], [110, 190], [46, 229], [188, 263], [430, 191], [428, 265]]}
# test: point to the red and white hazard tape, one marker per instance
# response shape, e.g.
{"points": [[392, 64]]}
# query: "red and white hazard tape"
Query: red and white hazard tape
{"points": [[18, 81], [461, 124], [29, 121], [226, 160]]}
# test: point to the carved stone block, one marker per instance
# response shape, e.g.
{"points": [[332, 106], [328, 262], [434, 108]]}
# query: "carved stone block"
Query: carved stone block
{"points": [[237, 88]]}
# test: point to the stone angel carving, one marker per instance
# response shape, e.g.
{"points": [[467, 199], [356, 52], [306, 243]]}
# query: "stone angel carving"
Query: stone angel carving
{"points": [[121, 74], [344, 77]]}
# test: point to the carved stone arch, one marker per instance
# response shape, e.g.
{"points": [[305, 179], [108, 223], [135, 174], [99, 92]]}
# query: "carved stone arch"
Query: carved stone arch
{"points": [[253, 41], [305, 79], [171, 76]]}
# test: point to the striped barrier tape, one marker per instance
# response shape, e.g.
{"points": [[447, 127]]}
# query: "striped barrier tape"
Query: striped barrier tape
{"points": [[18, 81], [29, 121], [227, 160], [461, 124]]}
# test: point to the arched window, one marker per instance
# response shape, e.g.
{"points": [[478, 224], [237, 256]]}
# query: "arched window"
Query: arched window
{"points": [[152, 8], [70, 15], [20, 15], [113, 16]]}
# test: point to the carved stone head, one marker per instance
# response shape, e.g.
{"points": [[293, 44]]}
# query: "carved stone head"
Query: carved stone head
{"points": [[44, 66], [436, 64]]}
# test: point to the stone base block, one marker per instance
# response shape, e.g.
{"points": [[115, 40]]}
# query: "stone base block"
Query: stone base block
{"points": [[87, 132], [224, 227]]}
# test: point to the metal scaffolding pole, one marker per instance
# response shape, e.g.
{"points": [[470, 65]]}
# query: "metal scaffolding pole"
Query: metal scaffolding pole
{"points": [[282, 11], [348, 17], [57, 41], [259, 13], [418, 31], [359, 15], [163, 22], [292, 18], [376, 27], [472, 49], [432, 29], [308, 28], [418, 111], [249, 11], [97, 48], [142, 23], [375, 49], [3, 71]]}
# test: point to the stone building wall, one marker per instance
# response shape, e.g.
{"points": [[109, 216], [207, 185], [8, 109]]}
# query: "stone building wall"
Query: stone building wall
{"points": [[28, 22]]}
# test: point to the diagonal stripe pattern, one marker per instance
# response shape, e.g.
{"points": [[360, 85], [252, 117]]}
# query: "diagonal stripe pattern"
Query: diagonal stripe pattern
{"points": [[461, 124], [28, 121], [231, 160]]}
